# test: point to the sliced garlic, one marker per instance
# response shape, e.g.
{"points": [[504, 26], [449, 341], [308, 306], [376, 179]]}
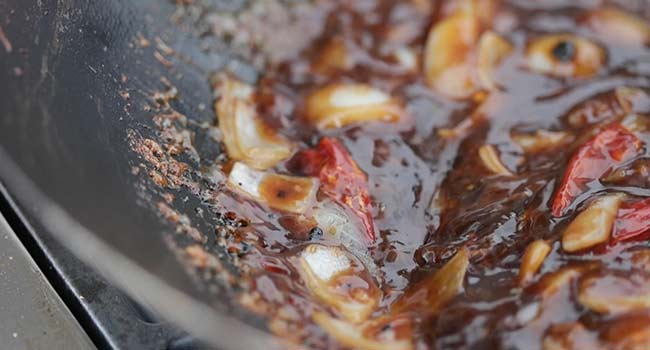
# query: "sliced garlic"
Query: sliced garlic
{"points": [[620, 26], [325, 262], [628, 332], [447, 55], [390, 327], [491, 160], [492, 50], [334, 56], [338, 105], [246, 136], [533, 258], [406, 58], [484, 10], [459, 130], [552, 282], [438, 289], [340, 227], [593, 225], [641, 259], [633, 100], [565, 55], [354, 337], [552, 286], [593, 111], [288, 193], [635, 123], [541, 140], [570, 336], [615, 294], [339, 280]]}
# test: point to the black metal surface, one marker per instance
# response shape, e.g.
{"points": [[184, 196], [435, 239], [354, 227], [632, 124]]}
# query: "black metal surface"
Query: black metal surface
{"points": [[64, 122], [33, 316], [110, 318]]}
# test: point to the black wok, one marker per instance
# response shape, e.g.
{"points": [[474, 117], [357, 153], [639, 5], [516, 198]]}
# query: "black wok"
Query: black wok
{"points": [[65, 158]]}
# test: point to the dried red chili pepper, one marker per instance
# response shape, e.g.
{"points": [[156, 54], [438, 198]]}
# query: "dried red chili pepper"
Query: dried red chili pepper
{"points": [[632, 221], [597, 157], [341, 179]]}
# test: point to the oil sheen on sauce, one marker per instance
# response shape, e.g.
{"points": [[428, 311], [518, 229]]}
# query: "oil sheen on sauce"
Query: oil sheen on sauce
{"points": [[432, 194]]}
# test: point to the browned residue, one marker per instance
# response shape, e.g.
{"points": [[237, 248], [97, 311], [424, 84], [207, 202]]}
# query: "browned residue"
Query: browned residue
{"points": [[160, 58], [5, 41], [166, 171], [183, 224]]}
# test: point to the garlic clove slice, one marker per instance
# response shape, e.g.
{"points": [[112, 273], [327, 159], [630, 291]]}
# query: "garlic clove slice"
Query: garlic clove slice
{"points": [[620, 26], [338, 105], [288, 193], [447, 55], [533, 258], [492, 161], [339, 280], [492, 50], [565, 56], [608, 294], [438, 289], [353, 337], [593, 225], [246, 136]]}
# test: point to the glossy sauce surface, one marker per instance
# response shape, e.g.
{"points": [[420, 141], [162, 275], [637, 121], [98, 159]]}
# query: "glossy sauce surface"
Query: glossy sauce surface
{"points": [[432, 193]]}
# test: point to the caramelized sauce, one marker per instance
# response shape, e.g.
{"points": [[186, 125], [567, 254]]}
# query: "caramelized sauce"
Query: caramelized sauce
{"points": [[432, 195]]}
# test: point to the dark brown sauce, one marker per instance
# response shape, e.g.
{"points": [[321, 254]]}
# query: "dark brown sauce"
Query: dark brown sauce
{"points": [[432, 195]]}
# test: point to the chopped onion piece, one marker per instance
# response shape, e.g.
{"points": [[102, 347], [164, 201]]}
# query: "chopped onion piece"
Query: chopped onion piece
{"points": [[339, 280], [570, 336], [629, 331], [325, 262], [246, 136], [552, 282], [633, 100], [533, 258], [459, 130], [492, 50], [435, 291], [541, 140], [484, 10], [334, 56], [288, 193], [636, 123], [615, 294], [593, 225], [641, 259], [338, 105], [491, 160], [354, 337], [619, 26], [406, 58], [528, 313], [338, 226], [448, 52], [565, 55]]}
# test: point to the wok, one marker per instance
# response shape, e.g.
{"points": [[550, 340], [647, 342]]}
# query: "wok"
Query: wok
{"points": [[66, 161]]}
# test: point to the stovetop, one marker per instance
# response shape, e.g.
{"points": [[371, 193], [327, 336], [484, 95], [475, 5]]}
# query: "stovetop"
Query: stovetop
{"points": [[49, 299], [33, 315]]}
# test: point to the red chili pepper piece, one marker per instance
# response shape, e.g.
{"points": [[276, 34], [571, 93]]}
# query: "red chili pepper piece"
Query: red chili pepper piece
{"points": [[341, 179], [632, 222], [597, 157]]}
